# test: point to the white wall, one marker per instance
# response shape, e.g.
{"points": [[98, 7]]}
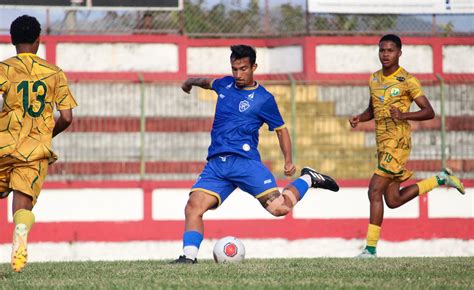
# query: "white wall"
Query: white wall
{"points": [[168, 204], [117, 57], [215, 60], [88, 204], [458, 59], [122, 204], [164, 57], [7, 50], [364, 58]]}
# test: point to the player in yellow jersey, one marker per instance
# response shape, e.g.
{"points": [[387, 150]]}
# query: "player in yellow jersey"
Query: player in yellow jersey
{"points": [[392, 91], [31, 89]]}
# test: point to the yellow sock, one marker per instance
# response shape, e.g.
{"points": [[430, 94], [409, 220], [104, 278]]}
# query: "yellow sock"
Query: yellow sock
{"points": [[427, 185], [373, 235], [24, 216]]}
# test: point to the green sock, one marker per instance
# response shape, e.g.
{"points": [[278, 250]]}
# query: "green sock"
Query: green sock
{"points": [[440, 181], [370, 249]]}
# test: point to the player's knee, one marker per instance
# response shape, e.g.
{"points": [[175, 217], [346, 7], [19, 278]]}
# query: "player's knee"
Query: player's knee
{"points": [[280, 211], [375, 196], [194, 208], [392, 202], [392, 205], [281, 205], [22, 201]]}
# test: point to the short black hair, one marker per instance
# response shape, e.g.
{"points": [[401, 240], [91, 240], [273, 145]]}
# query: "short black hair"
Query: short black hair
{"points": [[241, 51], [25, 29], [393, 38]]}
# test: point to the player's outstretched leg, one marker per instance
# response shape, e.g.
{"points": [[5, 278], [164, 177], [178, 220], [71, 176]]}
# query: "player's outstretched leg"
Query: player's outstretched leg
{"points": [[450, 180], [183, 260], [19, 249], [319, 180]]}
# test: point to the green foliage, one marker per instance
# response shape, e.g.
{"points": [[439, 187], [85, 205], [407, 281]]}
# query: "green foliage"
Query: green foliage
{"points": [[345, 22], [447, 29], [356, 23], [386, 273], [201, 18], [320, 23], [195, 17], [221, 19], [383, 22], [292, 19]]}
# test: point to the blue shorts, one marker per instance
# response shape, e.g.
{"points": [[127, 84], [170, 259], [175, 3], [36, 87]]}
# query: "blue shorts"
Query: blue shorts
{"points": [[224, 173]]}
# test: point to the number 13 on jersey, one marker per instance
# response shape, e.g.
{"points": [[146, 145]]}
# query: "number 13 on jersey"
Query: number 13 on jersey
{"points": [[40, 89]]}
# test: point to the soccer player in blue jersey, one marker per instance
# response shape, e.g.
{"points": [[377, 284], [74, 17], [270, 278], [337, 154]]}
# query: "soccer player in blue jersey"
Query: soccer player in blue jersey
{"points": [[243, 106]]}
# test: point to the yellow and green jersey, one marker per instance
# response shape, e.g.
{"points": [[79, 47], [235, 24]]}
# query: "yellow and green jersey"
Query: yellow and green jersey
{"points": [[31, 89], [399, 90]]}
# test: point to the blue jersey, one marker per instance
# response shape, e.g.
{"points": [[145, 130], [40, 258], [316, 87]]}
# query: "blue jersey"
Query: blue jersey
{"points": [[239, 115]]}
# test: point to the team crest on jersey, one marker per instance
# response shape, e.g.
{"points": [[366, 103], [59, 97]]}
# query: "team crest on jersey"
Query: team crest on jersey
{"points": [[394, 92], [229, 86], [243, 105]]}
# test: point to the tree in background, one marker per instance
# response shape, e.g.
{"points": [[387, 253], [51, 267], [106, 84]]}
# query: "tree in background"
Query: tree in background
{"points": [[291, 19]]}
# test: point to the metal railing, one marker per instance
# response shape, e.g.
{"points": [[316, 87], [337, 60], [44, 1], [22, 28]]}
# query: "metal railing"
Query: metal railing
{"points": [[153, 131]]}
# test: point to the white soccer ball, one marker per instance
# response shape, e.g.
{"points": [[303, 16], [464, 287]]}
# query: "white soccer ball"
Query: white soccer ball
{"points": [[229, 250]]}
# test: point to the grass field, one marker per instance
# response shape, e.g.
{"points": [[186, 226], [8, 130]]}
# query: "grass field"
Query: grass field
{"points": [[394, 273]]}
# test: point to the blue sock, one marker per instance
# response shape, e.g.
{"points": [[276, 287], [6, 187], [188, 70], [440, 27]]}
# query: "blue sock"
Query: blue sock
{"points": [[301, 186], [192, 238]]}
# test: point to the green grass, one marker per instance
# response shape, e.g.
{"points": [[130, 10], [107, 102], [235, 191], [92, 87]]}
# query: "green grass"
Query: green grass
{"points": [[394, 273]]}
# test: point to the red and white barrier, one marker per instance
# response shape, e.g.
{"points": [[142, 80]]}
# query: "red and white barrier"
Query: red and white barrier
{"points": [[118, 211]]}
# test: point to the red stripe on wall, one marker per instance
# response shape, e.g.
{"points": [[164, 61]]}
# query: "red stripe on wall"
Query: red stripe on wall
{"points": [[465, 165], [156, 167], [132, 124], [204, 124], [91, 168], [288, 228], [453, 123]]}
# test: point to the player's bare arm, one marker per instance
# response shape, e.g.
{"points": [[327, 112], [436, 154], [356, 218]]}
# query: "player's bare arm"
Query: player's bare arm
{"points": [[285, 145], [365, 116], [426, 111], [204, 83], [64, 120]]}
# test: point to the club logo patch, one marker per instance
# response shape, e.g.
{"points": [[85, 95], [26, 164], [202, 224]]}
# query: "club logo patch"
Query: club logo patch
{"points": [[243, 105], [394, 92]]}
